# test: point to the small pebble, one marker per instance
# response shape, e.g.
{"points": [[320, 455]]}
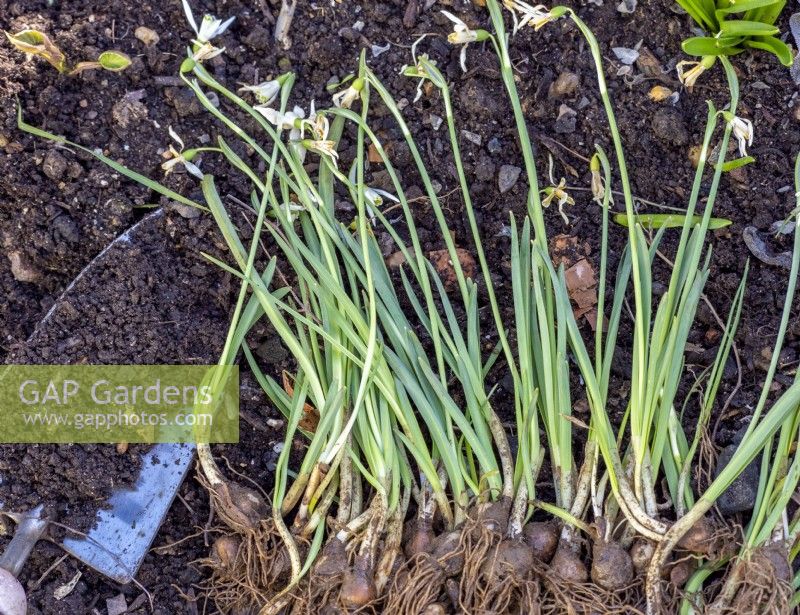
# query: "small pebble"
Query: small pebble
{"points": [[21, 268], [185, 211], [484, 169], [564, 85], [472, 137], [494, 146], [566, 120], [508, 176], [659, 93]]}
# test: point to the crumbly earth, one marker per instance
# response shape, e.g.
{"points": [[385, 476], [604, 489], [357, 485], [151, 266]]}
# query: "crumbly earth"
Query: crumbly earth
{"points": [[159, 301]]}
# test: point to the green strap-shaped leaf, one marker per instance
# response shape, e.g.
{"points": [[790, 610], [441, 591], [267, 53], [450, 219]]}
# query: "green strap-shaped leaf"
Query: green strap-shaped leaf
{"points": [[743, 27], [656, 221], [708, 46], [774, 45], [743, 7], [735, 164]]}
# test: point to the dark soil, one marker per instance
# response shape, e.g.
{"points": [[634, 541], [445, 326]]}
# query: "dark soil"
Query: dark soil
{"points": [[157, 300]]}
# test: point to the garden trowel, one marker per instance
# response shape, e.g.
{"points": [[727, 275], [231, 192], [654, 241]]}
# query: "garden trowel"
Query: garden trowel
{"points": [[126, 526]]}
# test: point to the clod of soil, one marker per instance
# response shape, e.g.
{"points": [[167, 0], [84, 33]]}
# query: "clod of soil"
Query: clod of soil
{"points": [[669, 126]]}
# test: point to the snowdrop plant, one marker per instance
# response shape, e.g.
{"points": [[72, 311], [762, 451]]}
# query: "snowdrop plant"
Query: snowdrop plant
{"points": [[463, 35], [690, 71], [266, 92], [743, 133], [209, 29], [730, 27], [523, 14], [181, 156], [350, 95]]}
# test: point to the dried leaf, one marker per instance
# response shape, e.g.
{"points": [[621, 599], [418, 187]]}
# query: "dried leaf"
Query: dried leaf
{"points": [[310, 418], [62, 591]]}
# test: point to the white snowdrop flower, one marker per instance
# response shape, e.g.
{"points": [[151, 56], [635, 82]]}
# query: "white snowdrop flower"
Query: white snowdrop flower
{"points": [[743, 131], [177, 157]]}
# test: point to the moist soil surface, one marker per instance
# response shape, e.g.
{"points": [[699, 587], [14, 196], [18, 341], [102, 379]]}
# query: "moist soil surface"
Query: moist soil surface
{"points": [[154, 299]]}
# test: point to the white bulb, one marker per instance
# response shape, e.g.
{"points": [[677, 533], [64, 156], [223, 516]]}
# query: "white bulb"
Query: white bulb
{"points": [[12, 596]]}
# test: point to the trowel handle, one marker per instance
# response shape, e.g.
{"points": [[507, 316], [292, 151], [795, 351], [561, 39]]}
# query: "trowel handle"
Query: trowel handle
{"points": [[30, 527]]}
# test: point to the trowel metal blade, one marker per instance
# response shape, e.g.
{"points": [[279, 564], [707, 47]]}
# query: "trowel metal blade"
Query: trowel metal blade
{"points": [[125, 529], [123, 533]]}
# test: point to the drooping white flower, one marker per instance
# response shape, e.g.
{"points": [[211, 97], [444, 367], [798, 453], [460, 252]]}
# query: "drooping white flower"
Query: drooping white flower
{"points": [[524, 14], [288, 120], [323, 147], [689, 72], [373, 196], [346, 98], [265, 92], [291, 210], [560, 195], [210, 26], [462, 34], [177, 157], [206, 51], [743, 131], [417, 69]]}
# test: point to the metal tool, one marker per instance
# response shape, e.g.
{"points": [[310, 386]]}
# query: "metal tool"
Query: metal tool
{"points": [[30, 527], [124, 531]]}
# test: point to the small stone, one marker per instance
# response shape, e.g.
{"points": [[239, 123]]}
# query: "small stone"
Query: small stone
{"points": [[649, 64], [184, 211], [146, 35], [626, 55], [668, 125], [184, 101], [712, 336], [484, 169], [494, 146], [741, 495], [373, 155], [54, 165], [3, 140], [472, 137], [659, 93], [272, 350], [21, 268], [566, 120], [435, 121], [508, 176], [797, 113], [564, 85], [117, 605]]}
